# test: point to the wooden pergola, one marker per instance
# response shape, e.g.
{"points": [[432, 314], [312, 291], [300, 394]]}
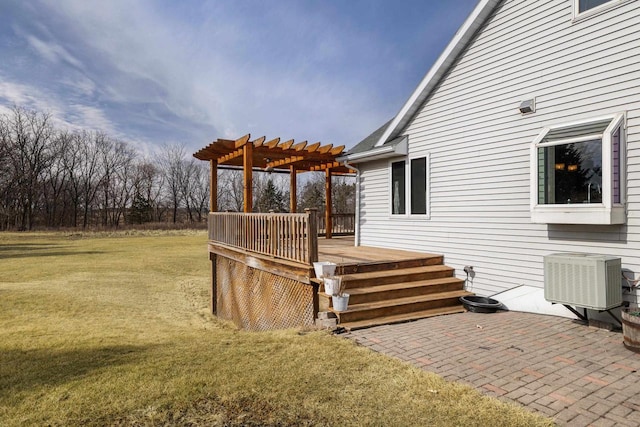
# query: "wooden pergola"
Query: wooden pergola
{"points": [[264, 155]]}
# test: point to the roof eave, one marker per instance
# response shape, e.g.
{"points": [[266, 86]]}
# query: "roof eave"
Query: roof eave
{"points": [[393, 149], [459, 42]]}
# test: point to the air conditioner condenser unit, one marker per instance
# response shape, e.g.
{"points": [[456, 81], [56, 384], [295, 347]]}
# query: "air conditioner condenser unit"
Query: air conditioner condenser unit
{"points": [[583, 280]]}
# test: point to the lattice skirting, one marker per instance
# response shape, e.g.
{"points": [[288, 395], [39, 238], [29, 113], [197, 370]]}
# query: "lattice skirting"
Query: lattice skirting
{"points": [[258, 300]]}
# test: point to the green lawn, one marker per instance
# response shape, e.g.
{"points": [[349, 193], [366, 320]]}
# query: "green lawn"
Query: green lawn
{"points": [[113, 329]]}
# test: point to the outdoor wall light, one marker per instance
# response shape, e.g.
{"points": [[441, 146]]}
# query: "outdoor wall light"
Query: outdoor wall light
{"points": [[528, 106]]}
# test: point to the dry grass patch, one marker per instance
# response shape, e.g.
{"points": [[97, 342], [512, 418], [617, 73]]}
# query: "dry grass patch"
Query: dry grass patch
{"points": [[112, 329]]}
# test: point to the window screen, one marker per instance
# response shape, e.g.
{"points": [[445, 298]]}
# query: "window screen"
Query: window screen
{"points": [[584, 5], [398, 205], [419, 186]]}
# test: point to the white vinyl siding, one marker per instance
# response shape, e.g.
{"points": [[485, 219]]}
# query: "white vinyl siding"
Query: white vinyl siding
{"points": [[479, 143]]}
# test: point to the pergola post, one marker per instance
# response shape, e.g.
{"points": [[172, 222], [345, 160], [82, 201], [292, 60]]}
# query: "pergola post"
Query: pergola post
{"points": [[213, 181], [328, 223], [247, 164], [293, 187]]}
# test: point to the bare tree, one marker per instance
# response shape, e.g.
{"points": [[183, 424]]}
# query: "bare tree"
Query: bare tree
{"points": [[199, 189], [172, 164], [56, 178], [152, 185], [28, 134], [230, 190], [147, 186], [84, 172], [116, 159], [187, 178], [7, 178], [343, 193]]}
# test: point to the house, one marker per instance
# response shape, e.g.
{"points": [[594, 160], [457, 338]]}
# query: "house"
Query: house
{"points": [[521, 141]]}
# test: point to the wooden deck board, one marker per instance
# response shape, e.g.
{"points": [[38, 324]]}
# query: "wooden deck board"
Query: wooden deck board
{"points": [[341, 251]]}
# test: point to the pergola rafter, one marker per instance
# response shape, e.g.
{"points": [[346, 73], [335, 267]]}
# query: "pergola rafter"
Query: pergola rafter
{"points": [[287, 161], [274, 154], [269, 155]]}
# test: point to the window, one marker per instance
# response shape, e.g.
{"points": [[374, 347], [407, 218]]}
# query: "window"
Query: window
{"points": [[577, 173], [398, 205], [419, 186], [584, 5], [587, 6], [409, 177]]}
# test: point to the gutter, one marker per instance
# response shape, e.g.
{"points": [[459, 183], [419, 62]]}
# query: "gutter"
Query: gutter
{"points": [[397, 147]]}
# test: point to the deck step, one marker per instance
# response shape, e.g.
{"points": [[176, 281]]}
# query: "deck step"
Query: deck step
{"points": [[400, 290], [369, 267], [396, 306], [395, 290], [400, 318], [386, 277]]}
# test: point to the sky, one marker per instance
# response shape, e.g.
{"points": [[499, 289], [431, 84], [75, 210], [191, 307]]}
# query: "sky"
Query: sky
{"points": [[154, 72]]}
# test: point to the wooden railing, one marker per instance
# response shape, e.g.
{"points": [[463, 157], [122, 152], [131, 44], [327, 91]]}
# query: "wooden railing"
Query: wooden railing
{"points": [[341, 224], [287, 236]]}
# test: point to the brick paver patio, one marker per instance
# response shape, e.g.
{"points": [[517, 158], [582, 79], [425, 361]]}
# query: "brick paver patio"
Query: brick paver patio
{"points": [[575, 374]]}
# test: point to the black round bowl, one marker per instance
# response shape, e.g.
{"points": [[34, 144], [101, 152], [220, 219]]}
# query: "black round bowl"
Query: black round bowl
{"points": [[478, 304]]}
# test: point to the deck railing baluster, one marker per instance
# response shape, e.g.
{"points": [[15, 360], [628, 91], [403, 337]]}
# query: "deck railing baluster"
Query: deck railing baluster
{"points": [[287, 236]]}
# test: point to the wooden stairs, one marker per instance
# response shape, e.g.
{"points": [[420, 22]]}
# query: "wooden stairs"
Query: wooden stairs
{"points": [[387, 292]]}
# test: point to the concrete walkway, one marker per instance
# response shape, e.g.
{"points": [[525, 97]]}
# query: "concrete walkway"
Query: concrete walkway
{"points": [[575, 374]]}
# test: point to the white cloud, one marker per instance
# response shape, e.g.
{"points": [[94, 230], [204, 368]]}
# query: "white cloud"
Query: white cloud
{"points": [[14, 93], [28, 96], [88, 117], [202, 70], [52, 52], [217, 72], [79, 84], [74, 116]]}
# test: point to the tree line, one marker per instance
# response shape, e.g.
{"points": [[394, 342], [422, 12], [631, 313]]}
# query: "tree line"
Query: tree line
{"points": [[54, 177]]}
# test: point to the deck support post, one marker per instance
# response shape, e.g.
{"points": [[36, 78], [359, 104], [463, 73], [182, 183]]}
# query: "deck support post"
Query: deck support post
{"points": [[213, 181], [293, 196], [213, 302], [312, 234], [247, 163], [327, 209]]}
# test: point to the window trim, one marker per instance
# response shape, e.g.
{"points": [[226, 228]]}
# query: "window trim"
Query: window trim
{"points": [[606, 212], [406, 181], [577, 15], [407, 177]]}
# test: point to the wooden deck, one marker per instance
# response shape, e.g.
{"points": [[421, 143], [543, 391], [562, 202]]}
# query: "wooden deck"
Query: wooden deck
{"points": [[261, 260]]}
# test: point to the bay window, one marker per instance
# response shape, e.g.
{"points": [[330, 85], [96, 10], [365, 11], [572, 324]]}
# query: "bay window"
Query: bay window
{"points": [[578, 173], [588, 7]]}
